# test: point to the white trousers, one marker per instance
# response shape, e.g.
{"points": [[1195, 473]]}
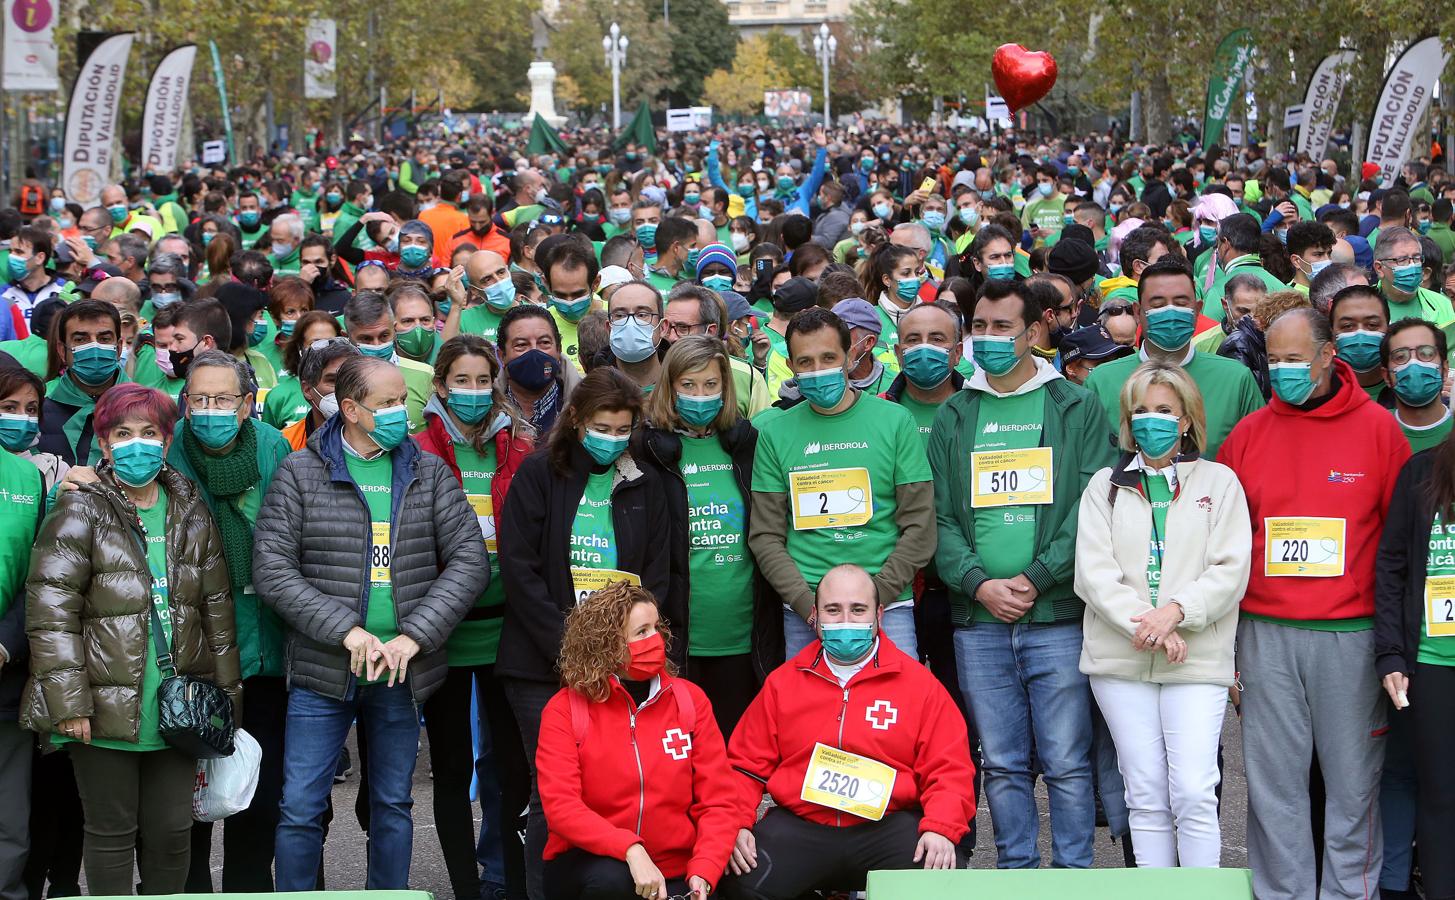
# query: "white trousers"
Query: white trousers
{"points": [[1166, 739]]}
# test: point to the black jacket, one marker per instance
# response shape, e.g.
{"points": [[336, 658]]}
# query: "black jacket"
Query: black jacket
{"points": [[664, 453], [535, 555], [1399, 569], [1246, 344], [1158, 197]]}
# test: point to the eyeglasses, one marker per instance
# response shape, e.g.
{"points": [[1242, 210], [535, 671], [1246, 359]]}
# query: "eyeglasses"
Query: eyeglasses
{"points": [[684, 329], [648, 319], [1116, 311], [1424, 353], [1402, 260], [222, 402]]}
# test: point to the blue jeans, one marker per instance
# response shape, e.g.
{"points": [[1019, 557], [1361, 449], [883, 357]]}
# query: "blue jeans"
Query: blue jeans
{"points": [[1023, 686], [317, 728], [898, 624], [1398, 800]]}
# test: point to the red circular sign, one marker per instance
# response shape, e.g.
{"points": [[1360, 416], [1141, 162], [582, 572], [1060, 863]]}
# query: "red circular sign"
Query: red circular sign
{"points": [[32, 15]]}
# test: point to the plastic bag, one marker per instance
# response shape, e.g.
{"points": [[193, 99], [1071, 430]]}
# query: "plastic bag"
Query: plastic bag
{"points": [[225, 786]]}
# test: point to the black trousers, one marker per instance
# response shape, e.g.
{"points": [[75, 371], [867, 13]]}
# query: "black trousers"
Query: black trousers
{"points": [[578, 875], [16, 746], [796, 856], [528, 700], [729, 682], [1432, 699], [452, 758], [57, 828]]}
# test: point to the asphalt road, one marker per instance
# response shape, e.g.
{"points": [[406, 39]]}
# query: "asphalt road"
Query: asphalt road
{"points": [[346, 861]]}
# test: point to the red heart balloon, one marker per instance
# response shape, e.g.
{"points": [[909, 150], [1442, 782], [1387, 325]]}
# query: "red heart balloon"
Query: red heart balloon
{"points": [[1022, 76]]}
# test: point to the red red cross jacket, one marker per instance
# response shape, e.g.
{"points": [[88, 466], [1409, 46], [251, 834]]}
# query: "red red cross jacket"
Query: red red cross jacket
{"points": [[658, 776], [893, 710]]}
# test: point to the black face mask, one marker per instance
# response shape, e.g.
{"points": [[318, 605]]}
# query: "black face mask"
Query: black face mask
{"points": [[483, 231], [533, 370], [182, 361]]}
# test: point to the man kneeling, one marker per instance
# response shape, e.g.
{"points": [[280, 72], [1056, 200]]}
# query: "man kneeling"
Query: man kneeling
{"points": [[862, 751]]}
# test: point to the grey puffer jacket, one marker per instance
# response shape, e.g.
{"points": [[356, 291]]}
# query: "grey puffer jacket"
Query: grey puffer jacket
{"points": [[310, 560]]}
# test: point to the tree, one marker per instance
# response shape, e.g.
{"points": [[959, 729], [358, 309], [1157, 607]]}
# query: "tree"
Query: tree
{"points": [[576, 49], [740, 92], [702, 42]]}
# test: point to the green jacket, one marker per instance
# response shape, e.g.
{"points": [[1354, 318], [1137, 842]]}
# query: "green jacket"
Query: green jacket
{"points": [[260, 633], [1444, 238], [1212, 301], [1075, 425], [30, 352]]}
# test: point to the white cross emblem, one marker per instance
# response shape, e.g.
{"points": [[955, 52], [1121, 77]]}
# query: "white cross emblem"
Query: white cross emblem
{"points": [[677, 744], [881, 715]]}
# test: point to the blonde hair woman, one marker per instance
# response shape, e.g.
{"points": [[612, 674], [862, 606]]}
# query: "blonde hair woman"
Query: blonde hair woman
{"points": [[704, 448], [1163, 547], [633, 771]]}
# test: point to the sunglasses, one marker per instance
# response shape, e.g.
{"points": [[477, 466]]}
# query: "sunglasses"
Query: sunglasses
{"points": [[1116, 311]]}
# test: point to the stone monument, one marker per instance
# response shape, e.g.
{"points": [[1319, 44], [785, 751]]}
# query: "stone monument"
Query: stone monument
{"points": [[542, 75]]}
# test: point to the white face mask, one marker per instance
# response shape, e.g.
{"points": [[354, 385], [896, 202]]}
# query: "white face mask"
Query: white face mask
{"points": [[328, 405], [740, 241]]}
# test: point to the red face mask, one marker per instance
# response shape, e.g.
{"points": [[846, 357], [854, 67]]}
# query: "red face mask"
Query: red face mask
{"points": [[648, 656]]}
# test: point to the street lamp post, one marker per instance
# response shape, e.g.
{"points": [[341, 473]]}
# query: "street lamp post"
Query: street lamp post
{"points": [[615, 45], [825, 46]]}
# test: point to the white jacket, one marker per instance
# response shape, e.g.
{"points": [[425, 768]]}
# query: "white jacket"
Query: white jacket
{"points": [[1205, 562]]}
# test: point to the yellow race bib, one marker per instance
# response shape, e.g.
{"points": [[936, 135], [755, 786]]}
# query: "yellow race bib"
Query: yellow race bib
{"points": [[1440, 606], [588, 581], [847, 782], [830, 498], [1011, 477], [1303, 547], [379, 549], [484, 507]]}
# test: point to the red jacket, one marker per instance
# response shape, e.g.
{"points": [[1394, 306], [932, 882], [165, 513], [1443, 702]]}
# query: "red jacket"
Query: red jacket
{"points": [[1338, 461], [510, 450], [893, 710], [642, 777]]}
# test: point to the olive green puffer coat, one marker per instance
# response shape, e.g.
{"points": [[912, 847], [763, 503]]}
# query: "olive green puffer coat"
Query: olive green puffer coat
{"points": [[88, 602]]}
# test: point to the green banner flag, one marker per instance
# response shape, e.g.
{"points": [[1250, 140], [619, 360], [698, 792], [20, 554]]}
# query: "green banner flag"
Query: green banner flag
{"points": [[640, 130], [222, 96], [543, 137], [1230, 66]]}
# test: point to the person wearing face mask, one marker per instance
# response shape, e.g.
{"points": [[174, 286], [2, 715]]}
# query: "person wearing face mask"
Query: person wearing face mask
{"points": [[318, 367], [618, 213], [897, 730], [1310, 246], [875, 500], [84, 362], [634, 776], [1305, 648], [305, 198], [416, 250], [1360, 319], [537, 381], [570, 270], [928, 351], [415, 338], [22, 395], [1399, 266], [1160, 622], [250, 219], [894, 275], [635, 315], [582, 514], [446, 219], [480, 300], [167, 575], [866, 371], [358, 200], [1010, 457], [370, 323], [675, 240], [1237, 253], [1166, 315], [367, 627], [483, 441], [703, 446], [1045, 209], [289, 298], [694, 310], [284, 236], [1413, 359], [286, 404], [30, 282], [481, 232]]}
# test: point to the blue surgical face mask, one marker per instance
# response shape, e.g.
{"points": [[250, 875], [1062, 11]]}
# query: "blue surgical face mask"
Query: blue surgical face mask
{"points": [[164, 300], [118, 212], [718, 283], [632, 341], [1416, 383], [698, 411], [883, 210], [647, 236], [847, 641], [137, 462], [572, 309], [934, 220], [19, 267], [378, 351], [1360, 349], [692, 256], [605, 448], [214, 428], [94, 363], [926, 366], [907, 289], [786, 182], [249, 218], [391, 425], [470, 406], [1156, 434], [995, 353], [1000, 273], [620, 215], [414, 256], [969, 215], [1292, 382], [1171, 327], [1045, 189], [1407, 278], [1314, 268], [1208, 233], [18, 432], [501, 294], [823, 388]]}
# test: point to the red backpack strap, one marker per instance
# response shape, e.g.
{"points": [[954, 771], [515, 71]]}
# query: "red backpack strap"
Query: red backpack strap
{"points": [[580, 716], [686, 708]]}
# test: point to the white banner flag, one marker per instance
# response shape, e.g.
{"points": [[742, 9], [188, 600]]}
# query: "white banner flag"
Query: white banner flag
{"points": [[166, 103], [30, 46], [1321, 102], [1408, 87], [320, 59], [92, 120]]}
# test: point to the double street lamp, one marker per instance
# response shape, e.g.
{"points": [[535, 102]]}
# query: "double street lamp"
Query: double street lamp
{"points": [[615, 44], [825, 46]]}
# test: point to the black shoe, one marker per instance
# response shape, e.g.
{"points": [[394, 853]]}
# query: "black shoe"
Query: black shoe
{"points": [[345, 767]]}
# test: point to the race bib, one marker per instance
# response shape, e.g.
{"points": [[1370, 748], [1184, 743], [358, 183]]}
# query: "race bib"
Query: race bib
{"points": [[379, 553], [484, 507], [831, 498], [586, 582], [1303, 547], [1010, 477], [1440, 606], [847, 782]]}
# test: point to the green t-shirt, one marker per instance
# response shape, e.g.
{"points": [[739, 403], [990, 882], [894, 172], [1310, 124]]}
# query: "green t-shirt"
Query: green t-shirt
{"points": [[1005, 536], [1159, 494], [593, 531], [1427, 437], [570, 344], [923, 413], [285, 404], [721, 569], [1425, 304], [1439, 650], [481, 320], [30, 352], [375, 479], [475, 641], [840, 473]]}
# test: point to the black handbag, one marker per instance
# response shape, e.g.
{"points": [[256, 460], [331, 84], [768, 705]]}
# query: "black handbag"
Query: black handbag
{"points": [[194, 715]]}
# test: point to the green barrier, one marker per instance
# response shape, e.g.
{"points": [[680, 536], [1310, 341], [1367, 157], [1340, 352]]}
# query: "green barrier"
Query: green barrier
{"points": [[1058, 884]]}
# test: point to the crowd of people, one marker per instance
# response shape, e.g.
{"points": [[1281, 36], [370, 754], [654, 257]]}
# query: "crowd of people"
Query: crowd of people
{"points": [[732, 513]]}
